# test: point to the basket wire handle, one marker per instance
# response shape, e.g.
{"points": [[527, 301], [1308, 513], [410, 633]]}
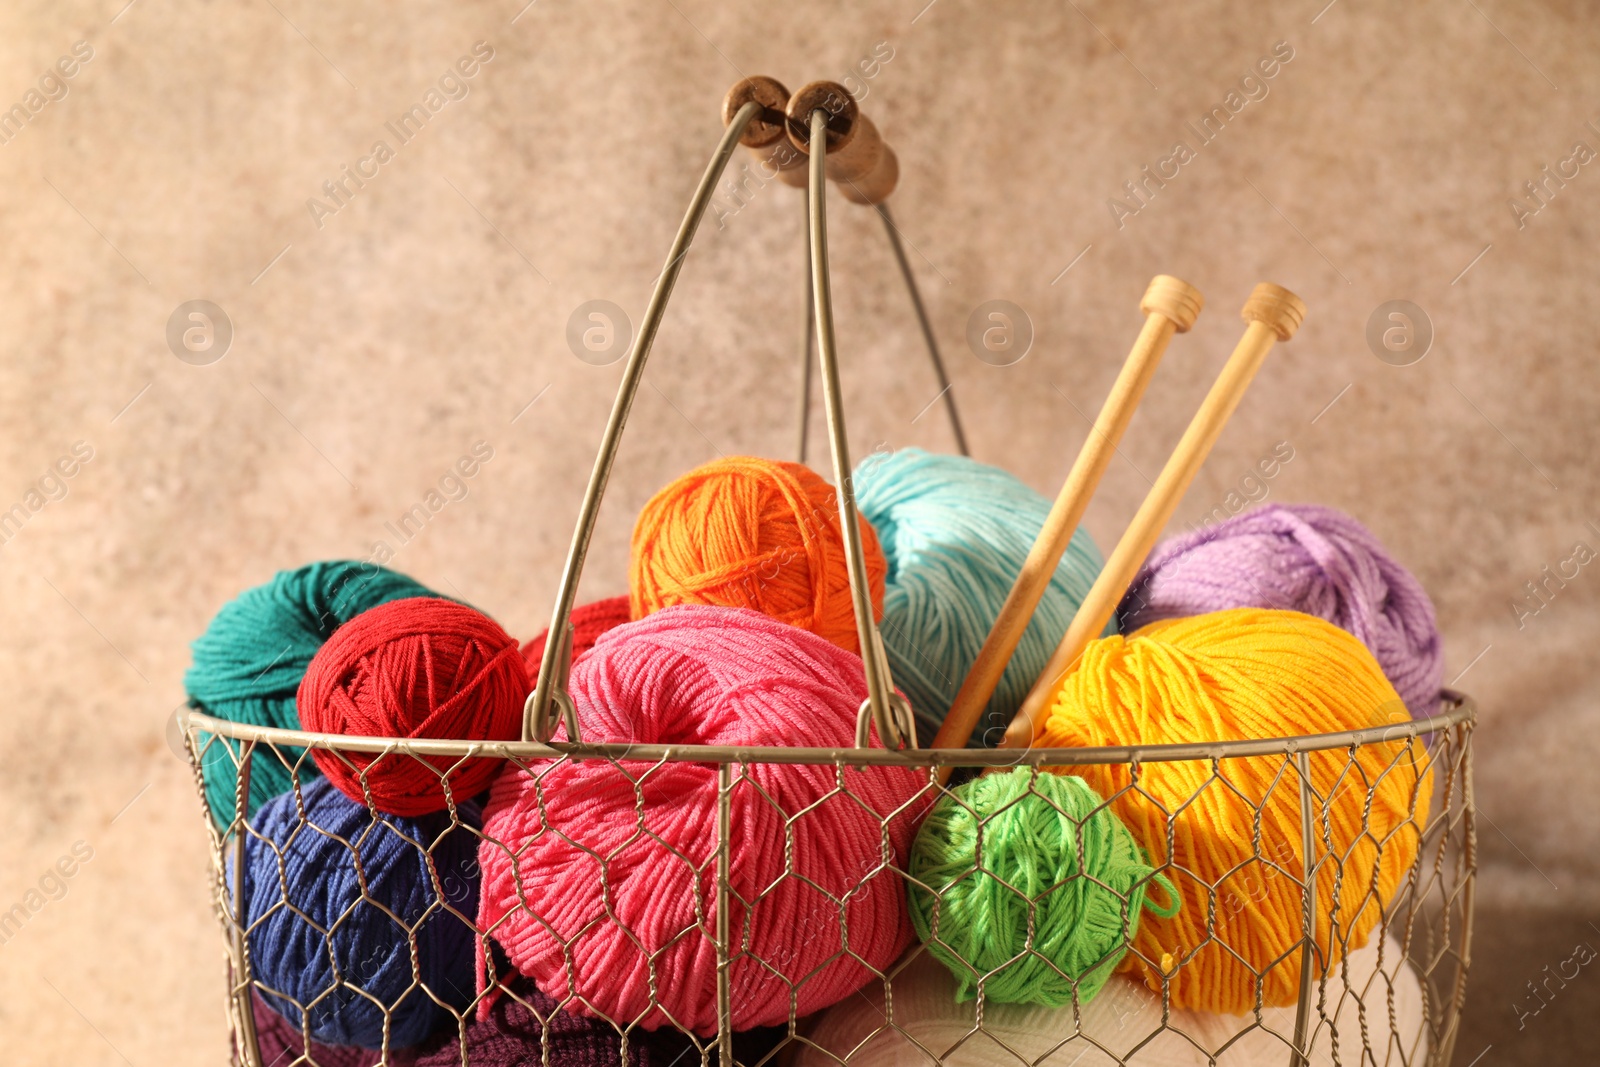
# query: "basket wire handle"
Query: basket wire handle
{"points": [[803, 415], [945, 393], [939, 373], [887, 709], [866, 171], [550, 694]]}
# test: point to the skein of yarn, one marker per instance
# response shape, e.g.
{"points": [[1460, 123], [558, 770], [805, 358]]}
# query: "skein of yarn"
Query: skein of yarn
{"points": [[422, 667], [1235, 827], [335, 901], [589, 621], [1300, 557], [1375, 994], [955, 533], [583, 902], [249, 662], [1000, 856], [743, 532]]}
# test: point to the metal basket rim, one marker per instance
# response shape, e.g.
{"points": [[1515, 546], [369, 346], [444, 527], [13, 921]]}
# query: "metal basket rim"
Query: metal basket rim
{"points": [[1461, 709]]}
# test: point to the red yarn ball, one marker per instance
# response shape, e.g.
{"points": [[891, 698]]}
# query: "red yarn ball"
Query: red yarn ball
{"points": [[421, 667], [589, 621]]}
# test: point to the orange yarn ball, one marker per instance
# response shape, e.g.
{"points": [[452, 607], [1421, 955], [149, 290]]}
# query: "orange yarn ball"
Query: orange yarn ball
{"points": [[744, 532], [1231, 831]]}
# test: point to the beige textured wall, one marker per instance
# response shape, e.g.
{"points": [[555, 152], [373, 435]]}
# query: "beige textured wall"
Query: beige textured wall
{"points": [[427, 312]]}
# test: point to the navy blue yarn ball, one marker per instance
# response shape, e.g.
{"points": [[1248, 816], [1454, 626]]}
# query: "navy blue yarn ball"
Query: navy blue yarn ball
{"points": [[320, 945]]}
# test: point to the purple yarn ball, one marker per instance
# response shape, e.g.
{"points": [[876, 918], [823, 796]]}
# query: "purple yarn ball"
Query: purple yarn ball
{"points": [[1300, 557]]}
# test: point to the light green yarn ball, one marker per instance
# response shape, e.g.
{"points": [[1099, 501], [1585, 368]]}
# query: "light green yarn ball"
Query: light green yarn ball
{"points": [[1009, 843]]}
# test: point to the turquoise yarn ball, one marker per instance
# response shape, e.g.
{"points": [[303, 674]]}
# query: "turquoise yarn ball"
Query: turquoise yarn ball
{"points": [[956, 532], [248, 664]]}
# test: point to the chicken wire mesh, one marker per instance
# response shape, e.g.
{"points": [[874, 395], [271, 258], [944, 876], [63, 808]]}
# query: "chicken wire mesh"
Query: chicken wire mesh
{"points": [[1392, 997]]}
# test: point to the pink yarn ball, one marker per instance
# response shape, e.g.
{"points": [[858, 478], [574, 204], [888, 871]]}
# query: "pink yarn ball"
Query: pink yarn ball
{"points": [[697, 674]]}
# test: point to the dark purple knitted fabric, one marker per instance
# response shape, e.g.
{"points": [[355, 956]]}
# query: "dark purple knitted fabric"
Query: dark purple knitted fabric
{"points": [[280, 1044], [512, 1034], [510, 1037]]}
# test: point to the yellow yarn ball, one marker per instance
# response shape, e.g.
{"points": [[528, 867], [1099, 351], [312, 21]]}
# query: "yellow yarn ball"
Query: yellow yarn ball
{"points": [[1230, 675]]}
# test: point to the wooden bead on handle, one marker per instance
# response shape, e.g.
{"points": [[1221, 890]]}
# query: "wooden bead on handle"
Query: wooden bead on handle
{"points": [[831, 97], [875, 187], [769, 124], [866, 168], [764, 137], [785, 160], [859, 158]]}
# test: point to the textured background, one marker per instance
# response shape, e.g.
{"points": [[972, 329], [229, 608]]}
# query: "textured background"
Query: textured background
{"points": [[429, 311]]}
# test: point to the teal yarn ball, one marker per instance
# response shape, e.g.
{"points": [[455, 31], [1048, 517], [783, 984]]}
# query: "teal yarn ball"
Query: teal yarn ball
{"points": [[1016, 842], [248, 664], [956, 532]]}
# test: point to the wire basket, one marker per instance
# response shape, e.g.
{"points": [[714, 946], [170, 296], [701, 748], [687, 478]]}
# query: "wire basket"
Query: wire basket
{"points": [[1393, 999]]}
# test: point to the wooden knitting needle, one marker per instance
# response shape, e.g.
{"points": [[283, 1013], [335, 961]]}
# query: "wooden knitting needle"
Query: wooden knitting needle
{"points": [[1273, 314], [857, 157], [764, 137], [1170, 306]]}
